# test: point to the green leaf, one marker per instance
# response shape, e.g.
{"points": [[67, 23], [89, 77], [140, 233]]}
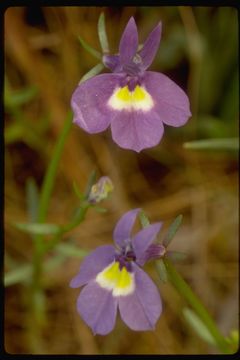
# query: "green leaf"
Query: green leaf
{"points": [[13, 132], [176, 255], [143, 219], [198, 325], [229, 144], [233, 339], [100, 209], [162, 271], [172, 230], [77, 191], [20, 97], [39, 229], [18, 275], [102, 34], [23, 273], [32, 199], [93, 72], [91, 50], [91, 182], [71, 250]]}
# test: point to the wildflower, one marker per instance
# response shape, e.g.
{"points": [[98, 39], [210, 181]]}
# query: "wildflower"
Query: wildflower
{"points": [[134, 102], [113, 279], [100, 190]]}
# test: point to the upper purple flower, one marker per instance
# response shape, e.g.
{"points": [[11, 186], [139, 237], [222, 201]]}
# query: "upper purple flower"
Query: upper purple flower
{"points": [[113, 279], [134, 102]]}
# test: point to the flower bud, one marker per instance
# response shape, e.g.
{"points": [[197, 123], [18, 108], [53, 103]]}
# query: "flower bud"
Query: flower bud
{"points": [[100, 190]]}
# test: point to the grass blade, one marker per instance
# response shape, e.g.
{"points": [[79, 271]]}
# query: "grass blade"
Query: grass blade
{"points": [[91, 50], [102, 34]]}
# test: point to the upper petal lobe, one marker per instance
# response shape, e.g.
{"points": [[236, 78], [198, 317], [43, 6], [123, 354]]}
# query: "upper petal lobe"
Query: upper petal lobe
{"points": [[93, 264], [89, 102], [129, 42], [150, 46], [141, 310], [124, 226], [171, 102], [143, 239]]}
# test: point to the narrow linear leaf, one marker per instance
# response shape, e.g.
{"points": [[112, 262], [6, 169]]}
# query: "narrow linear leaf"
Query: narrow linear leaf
{"points": [[71, 250], [230, 144], [93, 72], [13, 133], [77, 191], [91, 182], [198, 325], [162, 271], [100, 209], [102, 33], [38, 229], [18, 275], [23, 273], [172, 230], [143, 219], [14, 99], [176, 255], [32, 199], [91, 50]]}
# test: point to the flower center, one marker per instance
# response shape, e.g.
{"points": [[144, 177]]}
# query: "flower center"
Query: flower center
{"points": [[117, 279], [136, 99]]}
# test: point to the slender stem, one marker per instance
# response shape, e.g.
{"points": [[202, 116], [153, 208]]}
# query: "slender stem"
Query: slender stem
{"points": [[47, 187], [48, 183], [185, 291], [50, 176], [79, 217]]}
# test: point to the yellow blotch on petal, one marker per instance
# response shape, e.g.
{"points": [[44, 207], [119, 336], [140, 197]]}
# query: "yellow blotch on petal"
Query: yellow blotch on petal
{"points": [[124, 94], [124, 99], [120, 281], [112, 273], [139, 94]]}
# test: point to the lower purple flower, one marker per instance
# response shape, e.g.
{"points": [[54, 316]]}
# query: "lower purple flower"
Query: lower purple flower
{"points": [[114, 279]]}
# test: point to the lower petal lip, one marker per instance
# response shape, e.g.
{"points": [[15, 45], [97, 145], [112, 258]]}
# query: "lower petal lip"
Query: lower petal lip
{"points": [[137, 130]]}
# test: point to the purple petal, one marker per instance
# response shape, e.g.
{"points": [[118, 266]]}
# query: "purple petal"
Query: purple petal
{"points": [[89, 102], [124, 226], [98, 308], [171, 102], [143, 239], [93, 264], [137, 130], [153, 252], [150, 46], [141, 310], [112, 62], [129, 42]]}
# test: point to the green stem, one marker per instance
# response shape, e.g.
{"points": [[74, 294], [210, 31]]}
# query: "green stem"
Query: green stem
{"points": [[48, 183], [50, 176], [79, 217], [47, 187], [185, 291]]}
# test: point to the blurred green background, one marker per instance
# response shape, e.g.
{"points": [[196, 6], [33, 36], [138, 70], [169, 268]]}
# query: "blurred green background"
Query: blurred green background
{"points": [[44, 62]]}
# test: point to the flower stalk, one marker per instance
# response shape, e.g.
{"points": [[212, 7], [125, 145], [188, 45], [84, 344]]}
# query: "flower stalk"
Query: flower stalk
{"points": [[186, 292], [48, 183]]}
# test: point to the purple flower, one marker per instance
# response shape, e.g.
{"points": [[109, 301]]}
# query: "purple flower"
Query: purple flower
{"points": [[113, 279], [134, 102]]}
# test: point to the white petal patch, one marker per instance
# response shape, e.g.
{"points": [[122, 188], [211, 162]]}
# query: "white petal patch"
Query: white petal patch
{"points": [[124, 99], [119, 281]]}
